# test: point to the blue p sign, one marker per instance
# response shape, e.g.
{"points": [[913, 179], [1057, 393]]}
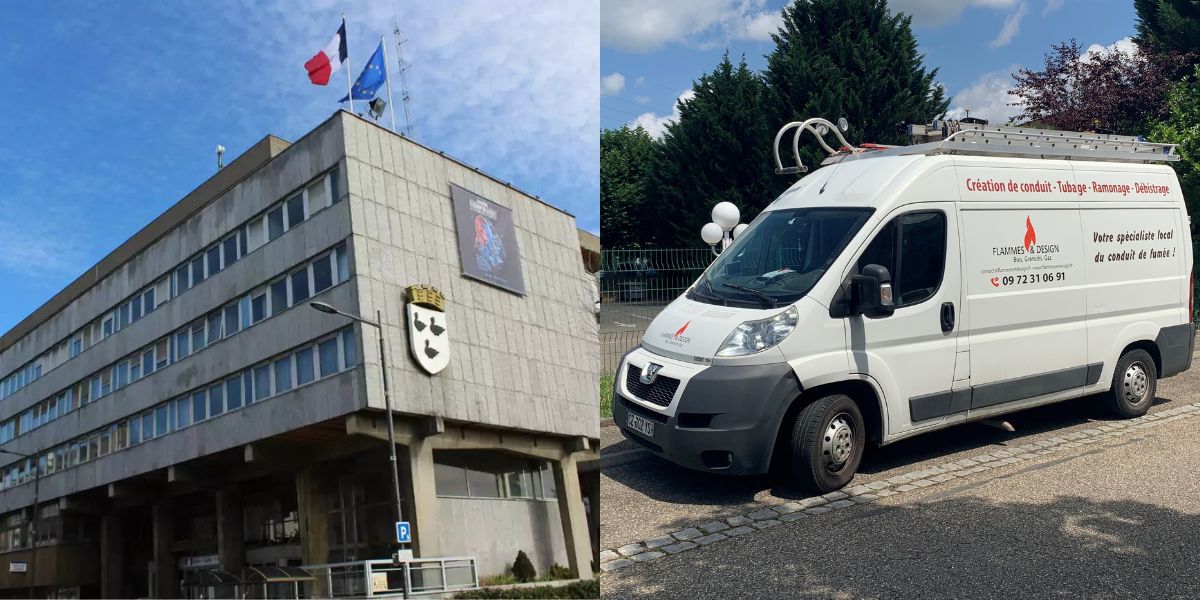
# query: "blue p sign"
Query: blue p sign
{"points": [[403, 532]]}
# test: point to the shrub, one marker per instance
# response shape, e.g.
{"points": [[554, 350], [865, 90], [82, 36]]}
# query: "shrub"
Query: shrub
{"points": [[579, 589], [523, 568], [558, 571]]}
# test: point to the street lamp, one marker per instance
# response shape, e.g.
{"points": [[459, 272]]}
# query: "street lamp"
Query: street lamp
{"points": [[37, 478], [387, 395]]}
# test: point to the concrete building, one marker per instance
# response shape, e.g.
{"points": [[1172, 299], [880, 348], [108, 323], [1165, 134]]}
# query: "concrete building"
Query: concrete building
{"points": [[182, 413]]}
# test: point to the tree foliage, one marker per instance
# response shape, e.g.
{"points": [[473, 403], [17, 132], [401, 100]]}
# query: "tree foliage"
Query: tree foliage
{"points": [[1168, 26], [853, 59], [1107, 90], [624, 163], [718, 150], [1182, 126]]}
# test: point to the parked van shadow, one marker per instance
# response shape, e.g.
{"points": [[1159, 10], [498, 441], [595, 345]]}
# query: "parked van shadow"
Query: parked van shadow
{"points": [[705, 496], [962, 547]]}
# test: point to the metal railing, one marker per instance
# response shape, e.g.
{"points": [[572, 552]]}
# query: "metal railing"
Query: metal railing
{"points": [[382, 578], [634, 286]]}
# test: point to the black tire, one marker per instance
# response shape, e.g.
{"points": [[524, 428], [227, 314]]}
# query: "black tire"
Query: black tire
{"points": [[1134, 384], [814, 435]]}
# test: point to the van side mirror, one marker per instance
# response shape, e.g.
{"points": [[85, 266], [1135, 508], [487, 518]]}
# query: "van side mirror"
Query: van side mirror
{"points": [[871, 292]]}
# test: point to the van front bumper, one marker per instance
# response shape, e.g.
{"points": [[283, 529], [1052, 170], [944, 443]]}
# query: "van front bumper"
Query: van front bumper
{"points": [[721, 419]]}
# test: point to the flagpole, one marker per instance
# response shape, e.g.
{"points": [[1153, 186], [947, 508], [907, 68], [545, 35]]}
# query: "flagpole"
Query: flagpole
{"points": [[386, 78], [349, 85]]}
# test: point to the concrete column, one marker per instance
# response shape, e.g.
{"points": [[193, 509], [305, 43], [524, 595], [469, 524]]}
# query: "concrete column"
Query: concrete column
{"points": [[166, 569], [112, 556], [313, 506], [570, 510], [422, 511], [231, 548], [592, 485]]}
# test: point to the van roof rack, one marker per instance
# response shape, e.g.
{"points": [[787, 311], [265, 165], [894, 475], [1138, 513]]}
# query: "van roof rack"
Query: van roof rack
{"points": [[956, 137]]}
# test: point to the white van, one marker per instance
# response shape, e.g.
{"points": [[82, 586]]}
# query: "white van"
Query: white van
{"points": [[899, 291]]}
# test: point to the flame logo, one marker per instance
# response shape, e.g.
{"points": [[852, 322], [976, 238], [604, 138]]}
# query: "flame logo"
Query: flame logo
{"points": [[1030, 234], [682, 329]]}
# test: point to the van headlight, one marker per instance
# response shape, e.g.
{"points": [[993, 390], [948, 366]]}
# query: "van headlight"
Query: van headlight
{"points": [[756, 336]]}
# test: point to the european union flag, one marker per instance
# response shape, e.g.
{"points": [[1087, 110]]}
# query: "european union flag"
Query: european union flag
{"points": [[373, 75]]}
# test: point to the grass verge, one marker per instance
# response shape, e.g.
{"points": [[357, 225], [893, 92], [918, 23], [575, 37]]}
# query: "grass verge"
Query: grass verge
{"points": [[606, 396], [579, 589]]}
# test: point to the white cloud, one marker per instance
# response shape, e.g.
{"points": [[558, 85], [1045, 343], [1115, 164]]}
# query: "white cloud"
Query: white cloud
{"points": [[1051, 6], [1011, 27], [1124, 45], [612, 84], [656, 125], [934, 13], [987, 98], [646, 25], [642, 99]]}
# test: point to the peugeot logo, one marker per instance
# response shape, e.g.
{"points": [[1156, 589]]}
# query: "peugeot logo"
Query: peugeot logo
{"points": [[650, 373]]}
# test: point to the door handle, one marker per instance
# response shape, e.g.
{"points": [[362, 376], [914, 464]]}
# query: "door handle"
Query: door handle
{"points": [[947, 316]]}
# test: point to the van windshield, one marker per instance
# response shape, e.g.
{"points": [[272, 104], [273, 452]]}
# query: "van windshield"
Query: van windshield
{"points": [[780, 257]]}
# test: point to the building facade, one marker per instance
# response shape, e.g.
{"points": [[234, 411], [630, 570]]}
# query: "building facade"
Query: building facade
{"points": [[182, 413]]}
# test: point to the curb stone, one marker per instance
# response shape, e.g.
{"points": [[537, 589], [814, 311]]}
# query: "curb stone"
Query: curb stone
{"points": [[768, 516]]}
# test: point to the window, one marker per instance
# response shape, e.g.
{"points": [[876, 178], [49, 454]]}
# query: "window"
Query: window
{"points": [[182, 281], [519, 485], [258, 307], [316, 196], [919, 240], [197, 270], [262, 382], [122, 435], [122, 374], [549, 487], [322, 275], [304, 366], [147, 425], [105, 382], [135, 369], [295, 210], [108, 329], [230, 248], [216, 400], [348, 349], [213, 257], [300, 286], [275, 223], [182, 347], [148, 362], [199, 407], [279, 296], [343, 267], [334, 193], [328, 353], [183, 412], [233, 322], [255, 235], [450, 480], [283, 374], [214, 327], [162, 418], [481, 484], [123, 316], [233, 393], [136, 309], [148, 301], [197, 336], [161, 354]]}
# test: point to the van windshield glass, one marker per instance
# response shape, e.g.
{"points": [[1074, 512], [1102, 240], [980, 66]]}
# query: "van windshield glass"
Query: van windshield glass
{"points": [[780, 257]]}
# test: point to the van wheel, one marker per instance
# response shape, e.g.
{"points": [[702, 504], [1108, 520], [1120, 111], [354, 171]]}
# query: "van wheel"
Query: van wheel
{"points": [[1134, 384], [827, 443]]}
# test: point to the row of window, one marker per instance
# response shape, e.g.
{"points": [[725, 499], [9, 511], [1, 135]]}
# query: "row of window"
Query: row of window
{"points": [[469, 474], [311, 362], [298, 285], [246, 238]]}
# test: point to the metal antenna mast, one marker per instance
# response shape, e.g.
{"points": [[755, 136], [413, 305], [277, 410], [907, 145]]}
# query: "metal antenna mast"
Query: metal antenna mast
{"points": [[403, 67]]}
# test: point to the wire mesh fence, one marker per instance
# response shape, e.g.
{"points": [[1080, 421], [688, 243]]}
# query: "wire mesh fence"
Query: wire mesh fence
{"points": [[634, 286]]}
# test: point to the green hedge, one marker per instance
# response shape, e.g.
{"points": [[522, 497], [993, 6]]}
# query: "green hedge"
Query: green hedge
{"points": [[579, 589], [606, 396]]}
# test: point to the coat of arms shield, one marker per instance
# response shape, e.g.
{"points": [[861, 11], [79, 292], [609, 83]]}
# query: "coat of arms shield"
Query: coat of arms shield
{"points": [[428, 329]]}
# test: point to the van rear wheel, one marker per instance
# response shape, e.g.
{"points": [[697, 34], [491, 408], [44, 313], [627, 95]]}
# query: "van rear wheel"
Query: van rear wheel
{"points": [[1134, 383], [827, 443]]}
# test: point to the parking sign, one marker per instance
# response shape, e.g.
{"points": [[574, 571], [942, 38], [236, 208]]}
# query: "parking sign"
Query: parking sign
{"points": [[403, 532]]}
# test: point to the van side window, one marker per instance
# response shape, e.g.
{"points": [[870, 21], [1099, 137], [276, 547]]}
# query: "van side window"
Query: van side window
{"points": [[919, 240]]}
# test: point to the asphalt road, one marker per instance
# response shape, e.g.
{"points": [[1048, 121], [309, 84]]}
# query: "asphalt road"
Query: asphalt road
{"points": [[628, 316], [1117, 518]]}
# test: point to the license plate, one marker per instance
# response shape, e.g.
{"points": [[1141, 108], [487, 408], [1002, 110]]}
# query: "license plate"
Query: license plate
{"points": [[640, 424]]}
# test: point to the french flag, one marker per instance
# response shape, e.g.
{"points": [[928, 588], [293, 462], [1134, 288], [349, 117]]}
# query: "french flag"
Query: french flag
{"points": [[327, 61]]}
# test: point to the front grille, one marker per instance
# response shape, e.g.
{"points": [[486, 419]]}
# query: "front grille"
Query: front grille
{"points": [[658, 393]]}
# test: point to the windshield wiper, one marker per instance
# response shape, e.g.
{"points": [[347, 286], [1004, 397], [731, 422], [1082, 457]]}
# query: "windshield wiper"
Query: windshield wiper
{"points": [[711, 294], [767, 297]]}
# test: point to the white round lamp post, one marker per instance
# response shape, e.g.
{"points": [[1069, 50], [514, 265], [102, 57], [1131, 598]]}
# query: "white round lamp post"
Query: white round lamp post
{"points": [[724, 227]]}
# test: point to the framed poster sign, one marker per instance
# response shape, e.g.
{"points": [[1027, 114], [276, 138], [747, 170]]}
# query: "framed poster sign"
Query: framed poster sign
{"points": [[487, 241]]}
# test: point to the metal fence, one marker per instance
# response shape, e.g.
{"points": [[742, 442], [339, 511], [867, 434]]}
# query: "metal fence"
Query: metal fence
{"points": [[634, 286], [375, 578]]}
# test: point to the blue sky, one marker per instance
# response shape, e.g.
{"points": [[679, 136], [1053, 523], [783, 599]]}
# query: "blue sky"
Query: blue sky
{"points": [[112, 110], [651, 51]]}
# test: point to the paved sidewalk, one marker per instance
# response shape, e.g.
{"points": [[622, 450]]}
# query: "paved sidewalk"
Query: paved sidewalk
{"points": [[1112, 512]]}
